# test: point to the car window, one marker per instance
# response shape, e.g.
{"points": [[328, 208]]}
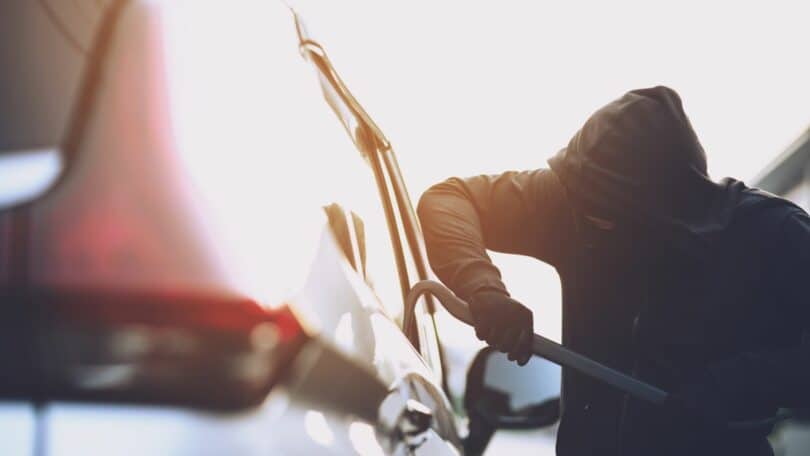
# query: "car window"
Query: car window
{"points": [[362, 198], [427, 337], [370, 140]]}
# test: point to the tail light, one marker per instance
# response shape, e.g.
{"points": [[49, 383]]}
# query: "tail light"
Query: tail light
{"points": [[168, 348]]}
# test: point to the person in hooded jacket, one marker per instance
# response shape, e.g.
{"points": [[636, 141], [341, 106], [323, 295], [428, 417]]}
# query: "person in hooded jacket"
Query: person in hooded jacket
{"points": [[692, 285]]}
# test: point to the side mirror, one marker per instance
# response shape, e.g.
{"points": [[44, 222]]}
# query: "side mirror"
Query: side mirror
{"points": [[502, 395]]}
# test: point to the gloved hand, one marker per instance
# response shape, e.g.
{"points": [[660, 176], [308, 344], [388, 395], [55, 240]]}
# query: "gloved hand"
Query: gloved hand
{"points": [[503, 323], [701, 403]]}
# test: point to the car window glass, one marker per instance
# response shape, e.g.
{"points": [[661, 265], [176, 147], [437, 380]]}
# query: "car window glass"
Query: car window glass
{"points": [[359, 194], [428, 340]]}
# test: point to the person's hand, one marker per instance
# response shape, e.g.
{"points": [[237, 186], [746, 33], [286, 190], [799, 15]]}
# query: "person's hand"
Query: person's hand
{"points": [[503, 323], [700, 403]]}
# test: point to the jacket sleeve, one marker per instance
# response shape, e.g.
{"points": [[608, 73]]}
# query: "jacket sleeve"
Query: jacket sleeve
{"points": [[779, 377], [514, 212]]}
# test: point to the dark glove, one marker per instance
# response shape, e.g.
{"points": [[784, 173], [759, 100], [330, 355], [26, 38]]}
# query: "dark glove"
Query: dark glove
{"points": [[503, 323], [700, 404]]}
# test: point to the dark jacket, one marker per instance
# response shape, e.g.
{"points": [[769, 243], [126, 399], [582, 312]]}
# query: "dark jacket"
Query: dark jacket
{"points": [[698, 280]]}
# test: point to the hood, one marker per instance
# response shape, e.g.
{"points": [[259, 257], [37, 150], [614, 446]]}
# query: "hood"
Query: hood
{"points": [[638, 160]]}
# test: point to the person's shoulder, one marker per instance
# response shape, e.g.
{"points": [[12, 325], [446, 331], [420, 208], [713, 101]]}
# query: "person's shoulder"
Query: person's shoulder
{"points": [[758, 203], [768, 219]]}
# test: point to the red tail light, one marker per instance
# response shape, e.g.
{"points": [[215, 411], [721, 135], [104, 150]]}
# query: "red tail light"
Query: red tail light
{"points": [[166, 348]]}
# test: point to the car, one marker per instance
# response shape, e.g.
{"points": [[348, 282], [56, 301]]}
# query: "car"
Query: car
{"points": [[171, 289]]}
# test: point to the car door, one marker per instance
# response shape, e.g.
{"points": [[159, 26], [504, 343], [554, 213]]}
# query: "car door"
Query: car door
{"points": [[403, 231], [424, 335], [403, 227]]}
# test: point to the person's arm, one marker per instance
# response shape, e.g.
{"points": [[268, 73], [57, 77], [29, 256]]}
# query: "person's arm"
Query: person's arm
{"points": [[779, 377], [515, 212]]}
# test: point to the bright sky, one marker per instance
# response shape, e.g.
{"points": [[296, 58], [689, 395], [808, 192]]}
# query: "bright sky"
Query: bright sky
{"points": [[468, 87], [462, 88]]}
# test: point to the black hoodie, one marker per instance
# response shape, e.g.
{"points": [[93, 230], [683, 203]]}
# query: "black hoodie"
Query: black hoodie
{"points": [[700, 285], [638, 159]]}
